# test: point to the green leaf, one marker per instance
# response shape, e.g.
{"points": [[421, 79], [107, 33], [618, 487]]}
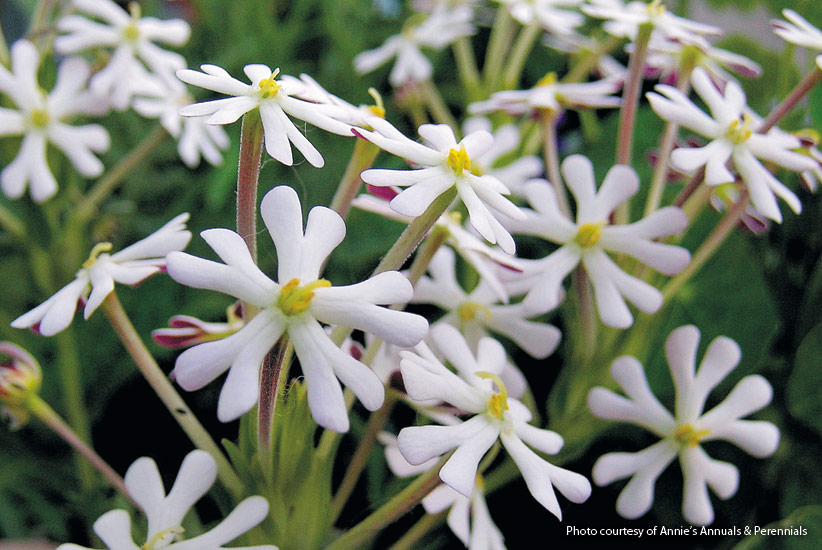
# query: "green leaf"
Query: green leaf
{"points": [[805, 383], [805, 522]]}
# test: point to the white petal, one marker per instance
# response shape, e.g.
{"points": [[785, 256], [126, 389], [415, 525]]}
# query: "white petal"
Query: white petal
{"points": [[56, 313], [699, 471], [246, 515], [460, 472], [283, 216], [114, 529], [420, 443]]}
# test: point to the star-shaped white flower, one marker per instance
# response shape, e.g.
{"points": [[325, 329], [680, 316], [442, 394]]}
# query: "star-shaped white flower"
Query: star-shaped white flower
{"points": [[497, 417], [798, 31], [442, 27], [444, 164], [478, 312], [195, 138], [683, 433], [669, 56], [296, 306], [165, 512], [586, 241], [40, 118], [129, 266], [548, 13], [732, 131], [625, 19], [274, 100], [551, 95], [133, 39]]}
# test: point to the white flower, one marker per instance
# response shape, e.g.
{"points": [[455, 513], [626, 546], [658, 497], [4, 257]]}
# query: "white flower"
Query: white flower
{"points": [[682, 433], [669, 56], [273, 98], [547, 13], [586, 241], [625, 19], [548, 94], [507, 139], [296, 306], [132, 38], [195, 138], [799, 32], [732, 131], [478, 312], [165, 512], [129, 266], [476, 252], [311, 90], [40, 118], [496, 418], [436, 31], [445, 164]]}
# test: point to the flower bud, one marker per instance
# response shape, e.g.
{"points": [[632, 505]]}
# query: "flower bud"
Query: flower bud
{"points": [[20, 378]]}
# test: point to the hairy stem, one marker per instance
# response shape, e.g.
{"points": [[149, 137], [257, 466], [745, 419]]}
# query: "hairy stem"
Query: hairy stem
{"points": [[248, 174], [270, 372]]}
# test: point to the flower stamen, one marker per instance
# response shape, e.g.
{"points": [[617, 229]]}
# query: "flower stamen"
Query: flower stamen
{"points": [[98, 249], [655, 8], [498, 403], [739, 131], [378, 109], [459, 161], [160, 538], [547, 80], [39, 118], [269, 86], [467, 311], [294, 299], [689, 436], [589, 234]]}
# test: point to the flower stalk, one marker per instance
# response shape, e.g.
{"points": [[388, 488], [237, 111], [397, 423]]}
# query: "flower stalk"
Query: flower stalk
{"points": [[519, 54], [801, 89], [270, 372], [363, 156], [158, 381], [630, 95], [467, 69], [248, 174], [436, 104], [501, 34], [548, 120]]}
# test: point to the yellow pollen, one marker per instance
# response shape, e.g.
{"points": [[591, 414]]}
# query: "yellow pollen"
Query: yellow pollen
{"points": [[655, 8], [269, 86], [40, 118], [498, 403], [739, 131], [468, 311], [98, 249], [688, 435], [378, 109], [547, 80], [589, 234], [153, 541], [295, 299], [456, 217], [459, 161]]}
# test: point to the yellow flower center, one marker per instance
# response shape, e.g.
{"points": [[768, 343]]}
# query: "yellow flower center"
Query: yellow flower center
{"points": [[269, 86], [689, 436], [131, 32], [39, 118], [589, 234], [98, 249], [655, 8], [739, 131], [498, 403], [294, 299], [547, 80], [459, 161], [378, 109], [467, 311], [163, 538]]}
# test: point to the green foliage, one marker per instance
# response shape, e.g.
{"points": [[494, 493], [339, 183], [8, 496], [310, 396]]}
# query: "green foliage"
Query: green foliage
{"points": [[805, 383], [808, 518]]}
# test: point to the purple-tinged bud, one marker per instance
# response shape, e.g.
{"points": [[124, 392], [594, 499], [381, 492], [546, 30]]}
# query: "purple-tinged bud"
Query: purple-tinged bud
{"points": [[20, 378]]}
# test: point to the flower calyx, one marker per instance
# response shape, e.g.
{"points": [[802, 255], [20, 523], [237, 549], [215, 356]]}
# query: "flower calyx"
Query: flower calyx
{"points": [[498, 403], [294, 299]]}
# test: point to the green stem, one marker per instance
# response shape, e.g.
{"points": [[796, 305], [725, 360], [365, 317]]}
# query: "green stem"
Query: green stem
{"points": [[550, 148], [71, 382], [709, 246], [501, 35], [467, 69], [404, 501], [5, 57], [586, 315], [363, 156], [270, 372], [88, 207], [41, 16], [149, 368], [248, 174], [48, 416], [810, 80], [522, 47], [666, 146], [360, 458], [426, 523], [436, 105], [12, 224], [588, 61]]}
